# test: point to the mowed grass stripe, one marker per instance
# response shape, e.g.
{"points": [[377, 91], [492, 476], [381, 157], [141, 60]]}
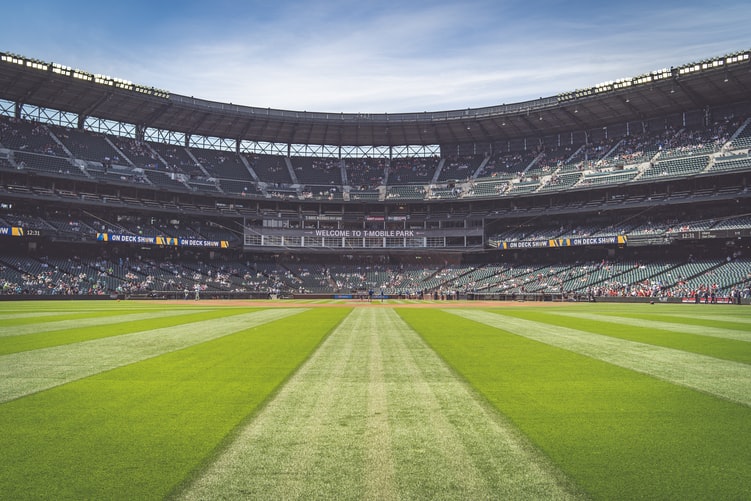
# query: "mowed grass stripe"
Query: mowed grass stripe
{"points": [[688, 317], [375, 414], [424, 439], [447, 438], [138, 431], [726, 349], [688, 326], [726, 316], [721, 378], [722, 316], [380, 474], [11, 316], [45, 339], [11, 326], [33, 371], [314, 426], [618, 433], [68, 304], [91, 318]]}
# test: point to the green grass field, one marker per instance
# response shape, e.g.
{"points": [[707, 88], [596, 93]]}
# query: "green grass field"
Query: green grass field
{"points": [[201, 400]]}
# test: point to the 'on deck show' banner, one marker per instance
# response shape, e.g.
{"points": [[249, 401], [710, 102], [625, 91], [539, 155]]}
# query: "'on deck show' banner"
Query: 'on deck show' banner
{"points": [[165, 241], [563, 242], [11, 231]]}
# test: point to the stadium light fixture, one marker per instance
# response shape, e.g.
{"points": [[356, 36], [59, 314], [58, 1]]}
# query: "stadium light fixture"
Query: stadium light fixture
{"points": [[61, 70], [737, 58], [37, 65], [10, 58], [712, 64], [83, 75]]}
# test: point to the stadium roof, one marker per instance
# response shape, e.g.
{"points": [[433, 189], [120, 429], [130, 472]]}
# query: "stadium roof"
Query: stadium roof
{"points": [[714, 82]]}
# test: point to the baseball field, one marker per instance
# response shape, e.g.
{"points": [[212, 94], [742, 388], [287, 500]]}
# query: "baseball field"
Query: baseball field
{"points": [[383, 400]]}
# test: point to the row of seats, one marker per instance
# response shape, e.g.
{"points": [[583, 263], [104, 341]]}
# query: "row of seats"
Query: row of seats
{"points": [[645, 225], [612, 160], [132, 275]]}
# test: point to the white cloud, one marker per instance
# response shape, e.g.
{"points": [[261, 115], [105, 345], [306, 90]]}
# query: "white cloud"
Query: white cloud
{"points": [[330, 57]]}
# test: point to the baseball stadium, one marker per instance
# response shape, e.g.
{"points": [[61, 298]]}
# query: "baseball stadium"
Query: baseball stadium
{"points": [[546, 299]]}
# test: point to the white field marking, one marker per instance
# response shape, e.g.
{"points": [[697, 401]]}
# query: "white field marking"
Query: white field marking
{"points": [[699, 330], [721, 378], [376, 414], [77, 323], [36, 370]]}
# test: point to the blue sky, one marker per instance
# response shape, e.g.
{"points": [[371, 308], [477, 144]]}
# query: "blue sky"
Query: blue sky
{"points": [[386, 56]]}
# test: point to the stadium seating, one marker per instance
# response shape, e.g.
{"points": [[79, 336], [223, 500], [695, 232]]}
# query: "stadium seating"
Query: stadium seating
{"points": [[72, 184], [318, 171], [683, 166], [364, 173], [560, 182], [408, 192], [412, 170], [222, 164], [507, 163], [459, 168], [48, 164], [33, 137], [730, 163], [86, 145]]}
